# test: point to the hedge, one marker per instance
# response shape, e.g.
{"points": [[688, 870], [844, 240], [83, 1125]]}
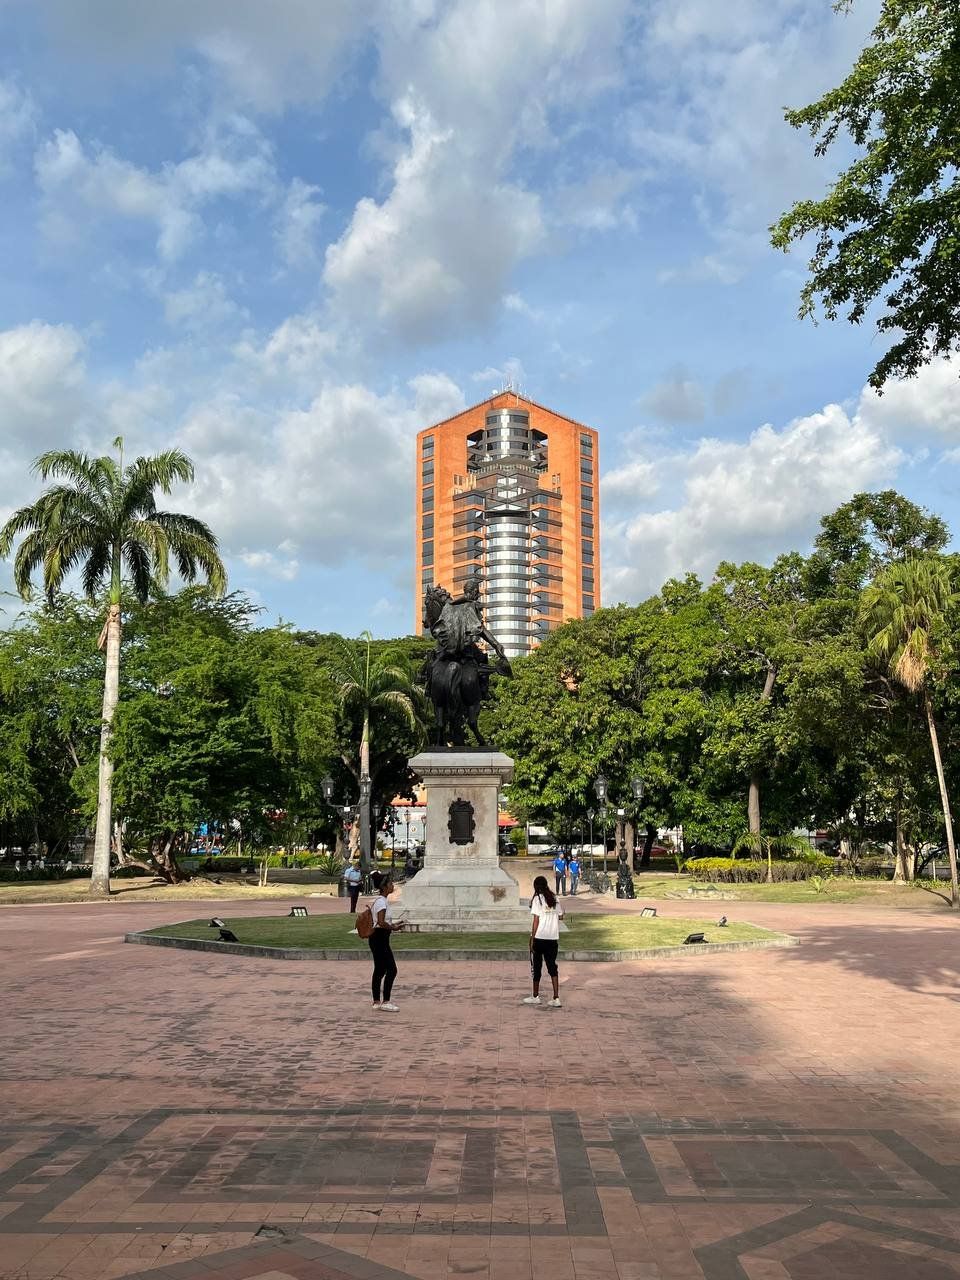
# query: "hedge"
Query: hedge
{"points": [[749, 870]]}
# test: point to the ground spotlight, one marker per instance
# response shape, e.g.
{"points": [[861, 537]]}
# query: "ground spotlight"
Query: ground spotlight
{"points": [[647, 913], [693, 938]]}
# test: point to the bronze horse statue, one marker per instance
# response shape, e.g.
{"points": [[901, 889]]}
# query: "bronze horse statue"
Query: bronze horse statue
{"points": [[456, 676]]}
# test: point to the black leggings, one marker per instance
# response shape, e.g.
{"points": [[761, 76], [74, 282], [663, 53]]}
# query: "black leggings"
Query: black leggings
{"points": [[384, 965], [545, 949]]}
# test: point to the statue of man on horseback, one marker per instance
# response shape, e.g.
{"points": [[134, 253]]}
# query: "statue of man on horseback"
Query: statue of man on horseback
{"points": [[457, 674]]}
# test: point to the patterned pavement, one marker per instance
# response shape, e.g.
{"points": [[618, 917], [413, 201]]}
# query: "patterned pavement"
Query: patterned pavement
{"points": [[784, 1115]]}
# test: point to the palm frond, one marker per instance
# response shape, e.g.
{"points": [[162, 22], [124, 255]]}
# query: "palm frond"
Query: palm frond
{"points": [[161, 471], [97, 568], [138, 560]]}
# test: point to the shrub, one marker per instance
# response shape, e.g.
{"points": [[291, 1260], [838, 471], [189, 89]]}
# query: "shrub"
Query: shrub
{"points": [[329, 864], [752, 871]]}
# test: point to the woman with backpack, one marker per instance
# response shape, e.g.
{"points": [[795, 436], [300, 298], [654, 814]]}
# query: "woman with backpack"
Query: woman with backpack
{"points": [[384, 965], [544, 940]]}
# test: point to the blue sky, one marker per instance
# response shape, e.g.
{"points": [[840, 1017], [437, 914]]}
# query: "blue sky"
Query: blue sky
{"points": [[286, 236]]}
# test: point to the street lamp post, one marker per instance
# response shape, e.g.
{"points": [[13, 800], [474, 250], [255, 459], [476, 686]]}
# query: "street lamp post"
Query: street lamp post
{"points": [[590, 816], [365, 831], [637, 786], [600, 788]]}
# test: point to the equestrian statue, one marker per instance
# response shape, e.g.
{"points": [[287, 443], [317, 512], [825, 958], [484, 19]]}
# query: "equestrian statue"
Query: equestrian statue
{"points": [[456, 675]]}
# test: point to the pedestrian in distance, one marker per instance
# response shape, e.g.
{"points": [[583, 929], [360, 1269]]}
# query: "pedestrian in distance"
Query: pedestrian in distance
{"points": [[574, 869], [353, 880], [384, 965], [560, 872], [544, 940]]}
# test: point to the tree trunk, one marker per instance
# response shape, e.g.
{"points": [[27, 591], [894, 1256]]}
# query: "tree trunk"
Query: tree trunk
{"points": [[648, 842], [753, 793], [364, 810], [753, 805], [100, 877], [945, 801], [899, 866]]}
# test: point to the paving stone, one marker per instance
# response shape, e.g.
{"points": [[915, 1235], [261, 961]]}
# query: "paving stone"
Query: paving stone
{"points": [[735, 1118]]}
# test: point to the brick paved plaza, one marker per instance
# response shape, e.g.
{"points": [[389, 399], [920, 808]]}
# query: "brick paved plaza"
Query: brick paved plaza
{"points": [[780, 1115]]}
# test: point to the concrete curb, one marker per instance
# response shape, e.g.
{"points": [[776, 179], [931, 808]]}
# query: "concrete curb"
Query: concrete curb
{"points": [[315, 953]]}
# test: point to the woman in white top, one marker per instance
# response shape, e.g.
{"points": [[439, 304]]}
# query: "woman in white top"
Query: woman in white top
{"points": [[544, 940], [384, 965]]}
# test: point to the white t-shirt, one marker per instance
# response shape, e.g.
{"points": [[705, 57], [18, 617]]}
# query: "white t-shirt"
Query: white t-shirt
{"points": [[548, 925], [379, 905]]}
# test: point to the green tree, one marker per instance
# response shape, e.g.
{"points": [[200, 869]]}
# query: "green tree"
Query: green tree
{"points": [[218, 722], [50, 692], [865, 535], [374, 685], [102, 522], [905, 619], [889, 228], [625, 693]]}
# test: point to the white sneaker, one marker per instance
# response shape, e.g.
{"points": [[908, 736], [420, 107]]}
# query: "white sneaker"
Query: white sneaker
{"points": [[377, 1004], [389, 1007], [555, 1003], [531, 999]]}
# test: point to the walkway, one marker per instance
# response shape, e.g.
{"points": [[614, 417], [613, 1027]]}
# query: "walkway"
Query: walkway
{"points": [[785, 1115]]}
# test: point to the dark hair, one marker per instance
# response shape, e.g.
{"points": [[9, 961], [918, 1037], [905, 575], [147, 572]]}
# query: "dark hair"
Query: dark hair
{"points": [[384, 881], [543, 890]]}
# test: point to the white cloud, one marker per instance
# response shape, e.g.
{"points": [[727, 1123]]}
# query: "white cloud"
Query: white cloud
{"points": [[740, 499], [271, 564], [716, 81], [43, 392], [677, 399], [18, 117], [508, 374], [438, 251], [333, 477], [79, 184], [202, 306], [264, 55], [928, 403], [297, 223], [470, 86]]}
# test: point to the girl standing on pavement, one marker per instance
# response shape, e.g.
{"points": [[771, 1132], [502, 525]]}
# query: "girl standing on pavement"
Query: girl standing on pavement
{"points": [[544, 940], [384, 965]]}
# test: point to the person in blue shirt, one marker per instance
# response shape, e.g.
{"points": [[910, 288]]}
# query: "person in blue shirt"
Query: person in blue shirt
{"points": [[574, 869], [354, 882], [560, 872]]}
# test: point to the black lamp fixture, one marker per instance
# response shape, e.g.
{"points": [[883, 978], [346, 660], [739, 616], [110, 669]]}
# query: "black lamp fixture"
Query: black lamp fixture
{"points": [[638, 786], [326, 786], [600, 787]]}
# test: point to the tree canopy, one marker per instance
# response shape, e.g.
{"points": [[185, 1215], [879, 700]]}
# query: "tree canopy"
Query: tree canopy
{"points": [[888, 230]]}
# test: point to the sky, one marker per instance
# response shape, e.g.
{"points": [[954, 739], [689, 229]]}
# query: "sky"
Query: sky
{"points": [[284, 237]]}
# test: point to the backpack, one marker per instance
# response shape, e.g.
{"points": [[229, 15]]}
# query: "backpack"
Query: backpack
{"points": [[364, 923]]}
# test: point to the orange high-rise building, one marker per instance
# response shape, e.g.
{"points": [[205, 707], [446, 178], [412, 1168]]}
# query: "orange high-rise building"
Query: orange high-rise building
{"points": [[507, 490]]}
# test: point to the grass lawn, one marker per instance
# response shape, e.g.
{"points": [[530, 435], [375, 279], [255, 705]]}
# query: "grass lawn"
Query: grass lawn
{"points": [[145, 889], [593, 933], [833, 889]]}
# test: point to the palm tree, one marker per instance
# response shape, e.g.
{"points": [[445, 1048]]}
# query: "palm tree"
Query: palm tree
{"points": [[102, 522], [371, 683], [766, 846], [904, 615]]}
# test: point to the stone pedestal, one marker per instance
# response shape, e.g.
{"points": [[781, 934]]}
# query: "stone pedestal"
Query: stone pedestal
{"points": [[462, 886]]}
